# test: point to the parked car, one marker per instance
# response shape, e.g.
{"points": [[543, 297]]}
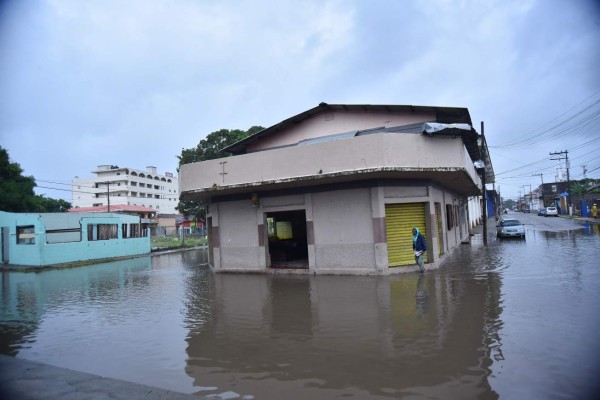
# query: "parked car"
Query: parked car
{"points": [[551, 211], [509, 227], [542, 212]]}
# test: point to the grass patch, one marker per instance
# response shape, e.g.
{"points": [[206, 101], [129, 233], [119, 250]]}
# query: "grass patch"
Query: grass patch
{"points": [[175, 243]]}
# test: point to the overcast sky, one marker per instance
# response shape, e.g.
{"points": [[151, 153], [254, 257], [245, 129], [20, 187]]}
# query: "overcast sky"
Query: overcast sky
{"points": [[131, 83]]}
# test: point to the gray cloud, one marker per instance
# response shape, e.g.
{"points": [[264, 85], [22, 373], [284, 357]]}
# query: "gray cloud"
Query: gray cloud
{"points": [[96, 82]]}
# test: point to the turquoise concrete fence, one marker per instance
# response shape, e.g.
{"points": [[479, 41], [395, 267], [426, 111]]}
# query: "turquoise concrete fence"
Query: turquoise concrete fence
{"points": [[58, 238]]}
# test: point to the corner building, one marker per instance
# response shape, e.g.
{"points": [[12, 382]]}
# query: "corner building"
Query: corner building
{"points": [[336, 190]]}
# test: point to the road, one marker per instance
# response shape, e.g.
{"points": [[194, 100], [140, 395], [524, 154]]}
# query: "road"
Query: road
{"points": [[532, 221]]}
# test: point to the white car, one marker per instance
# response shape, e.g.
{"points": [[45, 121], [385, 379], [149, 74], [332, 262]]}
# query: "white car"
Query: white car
{"points": [[510, 228], [551, 211]]}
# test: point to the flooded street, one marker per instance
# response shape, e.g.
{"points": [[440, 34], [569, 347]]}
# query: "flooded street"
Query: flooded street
{"points": [[516, 319]]}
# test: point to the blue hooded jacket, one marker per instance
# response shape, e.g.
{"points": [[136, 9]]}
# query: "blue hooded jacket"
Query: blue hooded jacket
{"points": [[419, 241]]}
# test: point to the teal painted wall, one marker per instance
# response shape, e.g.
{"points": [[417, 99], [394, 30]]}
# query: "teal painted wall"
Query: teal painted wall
{"points": [[42, 253]]}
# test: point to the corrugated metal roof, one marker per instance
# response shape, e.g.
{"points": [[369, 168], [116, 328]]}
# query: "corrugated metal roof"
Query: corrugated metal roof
{"points": [[449, 115]]}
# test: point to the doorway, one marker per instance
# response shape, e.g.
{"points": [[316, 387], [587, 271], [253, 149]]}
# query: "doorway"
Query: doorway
{"points": [[288, 244], [399, 221]]}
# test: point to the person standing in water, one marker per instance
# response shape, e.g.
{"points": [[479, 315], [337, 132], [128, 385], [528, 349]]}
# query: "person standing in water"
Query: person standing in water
{"points": [[419, 247]]}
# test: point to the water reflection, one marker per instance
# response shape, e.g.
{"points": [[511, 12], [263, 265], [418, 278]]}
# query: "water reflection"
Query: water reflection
{"points": [[339, 336], [26, 296], [515, 314], [119, 319]]}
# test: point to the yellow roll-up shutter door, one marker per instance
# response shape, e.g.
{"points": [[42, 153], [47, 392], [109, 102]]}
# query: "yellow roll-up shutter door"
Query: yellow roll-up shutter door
{"points": [[399, 221]]}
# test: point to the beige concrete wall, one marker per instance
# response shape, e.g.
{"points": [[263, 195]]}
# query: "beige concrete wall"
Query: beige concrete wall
{"points": [[338, 122], [348, 226], [343, 228], [168, 222], [238, 235], [410, 152]]}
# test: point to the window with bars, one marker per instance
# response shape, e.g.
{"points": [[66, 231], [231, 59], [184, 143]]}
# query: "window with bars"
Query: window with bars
{"points": [[26, 234], [102, 232]]}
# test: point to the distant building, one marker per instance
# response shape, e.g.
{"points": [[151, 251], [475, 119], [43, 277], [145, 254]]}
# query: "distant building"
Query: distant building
{"points": [[148, 218], [38, 240], [126, 186]]}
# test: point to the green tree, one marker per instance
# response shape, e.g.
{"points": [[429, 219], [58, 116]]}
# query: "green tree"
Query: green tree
{"points": [[16, 190], [46, 204], [508, 204], [209, 149], [581, 187]]}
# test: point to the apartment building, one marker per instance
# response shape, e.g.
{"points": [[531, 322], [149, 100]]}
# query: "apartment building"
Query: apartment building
{"points": [[114, 185]]}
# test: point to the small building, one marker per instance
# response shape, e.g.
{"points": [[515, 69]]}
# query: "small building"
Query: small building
{"points": [[337, 189], [192, 226], [167, 224], [39, 240]]}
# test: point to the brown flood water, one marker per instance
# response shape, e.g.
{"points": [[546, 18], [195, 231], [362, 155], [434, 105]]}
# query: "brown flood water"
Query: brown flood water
{"points": [[518, 319]]}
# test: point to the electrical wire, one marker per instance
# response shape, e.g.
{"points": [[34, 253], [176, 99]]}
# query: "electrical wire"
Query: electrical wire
{"points": [[534, 137]]}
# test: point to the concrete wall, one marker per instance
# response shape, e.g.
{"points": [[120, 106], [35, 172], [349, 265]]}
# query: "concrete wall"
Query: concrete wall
{"points": [[379, 152], [346, 227], [238, 227], [343, 230], [44, 253]]}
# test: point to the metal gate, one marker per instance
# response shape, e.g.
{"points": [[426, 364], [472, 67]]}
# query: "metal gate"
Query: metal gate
{"points": [[399, 221]]}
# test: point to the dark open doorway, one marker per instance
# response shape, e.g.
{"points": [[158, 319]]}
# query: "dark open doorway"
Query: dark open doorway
{"points": [[288, 246]]}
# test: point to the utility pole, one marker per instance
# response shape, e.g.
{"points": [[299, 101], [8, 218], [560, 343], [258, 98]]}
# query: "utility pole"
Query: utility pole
{"points": [[566, 158], [541, 187], [108, 194], [485, 241]]}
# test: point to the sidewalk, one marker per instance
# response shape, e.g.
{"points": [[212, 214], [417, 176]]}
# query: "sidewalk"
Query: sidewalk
{"points": [[588, 220], [23, 379]]}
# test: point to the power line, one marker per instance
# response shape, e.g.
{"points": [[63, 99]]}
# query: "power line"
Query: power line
{"points": [[64, 190], [523, 166], [519, 143]]}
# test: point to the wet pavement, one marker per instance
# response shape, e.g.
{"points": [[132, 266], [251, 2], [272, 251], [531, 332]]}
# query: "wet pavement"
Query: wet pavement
{"points": [[515, 319], [28, 380]]}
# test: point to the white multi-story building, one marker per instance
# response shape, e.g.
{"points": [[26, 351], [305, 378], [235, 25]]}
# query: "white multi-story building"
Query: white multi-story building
{"points": [[115, 185]]}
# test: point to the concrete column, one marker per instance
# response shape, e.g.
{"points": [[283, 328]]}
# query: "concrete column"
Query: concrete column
{"points": [[310, 232], [379, 235]]}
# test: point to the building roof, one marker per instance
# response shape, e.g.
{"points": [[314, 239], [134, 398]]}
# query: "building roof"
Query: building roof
{"points": [[115, 208], [453, 118], [448, 115]]}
